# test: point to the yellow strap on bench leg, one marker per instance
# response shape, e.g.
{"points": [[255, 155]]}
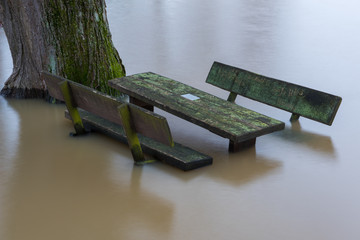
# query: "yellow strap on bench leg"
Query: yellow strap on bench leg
{"points": [[131, 135], [74, 113]]}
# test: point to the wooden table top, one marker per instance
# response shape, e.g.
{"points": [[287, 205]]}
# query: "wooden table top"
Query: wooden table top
{"points": [[221, 117]]}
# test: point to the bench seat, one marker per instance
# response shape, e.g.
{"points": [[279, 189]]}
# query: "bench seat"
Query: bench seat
{"points": [[179, 156]]}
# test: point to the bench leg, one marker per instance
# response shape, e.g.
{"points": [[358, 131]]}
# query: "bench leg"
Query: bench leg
{"points": [[236, 146], [294, 117], [141, 104], [132, 137], [74, 113]]}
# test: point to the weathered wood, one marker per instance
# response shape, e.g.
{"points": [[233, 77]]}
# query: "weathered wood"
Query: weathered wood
{"points": [[96, 102], [70, 104], [139, 103], [142, 124], [179, 156], [150, 124], [131, 135], [85, 97], [136, 120], [52, 83], [299, 100], [236, 146], [217, 115]]}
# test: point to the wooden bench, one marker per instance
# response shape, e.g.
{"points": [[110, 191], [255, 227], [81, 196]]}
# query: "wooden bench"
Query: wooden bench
{"points": [[143, 130], [240, 125], [299, 100]]}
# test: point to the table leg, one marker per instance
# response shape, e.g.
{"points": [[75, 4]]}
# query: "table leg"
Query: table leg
{"points": [[236, 146], [141, 104]]}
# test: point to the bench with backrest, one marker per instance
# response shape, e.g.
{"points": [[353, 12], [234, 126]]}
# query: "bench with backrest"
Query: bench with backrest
{"points": [[238, 124], [299, 100], [143, 130]]}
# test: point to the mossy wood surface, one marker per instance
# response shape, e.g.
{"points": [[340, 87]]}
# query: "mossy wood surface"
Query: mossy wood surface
{"points": [[302, 101], [131, 134], [144, 121], [100, 112], [217, 115], [178, 156], [74, 113]]}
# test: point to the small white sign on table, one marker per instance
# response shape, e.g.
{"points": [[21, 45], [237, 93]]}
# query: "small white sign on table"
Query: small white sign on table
{"points": [[190, 97]]}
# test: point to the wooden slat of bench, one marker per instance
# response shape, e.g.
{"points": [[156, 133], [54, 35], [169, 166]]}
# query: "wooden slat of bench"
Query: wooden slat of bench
{"points": [[223, 118], [96, 102], [148, 125], [178, 156], [146, 122], [151, 125], [303, 101], [52, 83]]}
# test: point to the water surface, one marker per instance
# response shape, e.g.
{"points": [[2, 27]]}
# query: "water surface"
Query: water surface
{"points": [[300, 183]]}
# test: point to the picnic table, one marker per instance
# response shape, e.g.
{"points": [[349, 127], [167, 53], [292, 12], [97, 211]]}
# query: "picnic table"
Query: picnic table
{"points": [[240, 125]]}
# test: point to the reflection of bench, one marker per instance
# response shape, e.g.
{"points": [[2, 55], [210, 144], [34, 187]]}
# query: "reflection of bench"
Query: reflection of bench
{"points": [[123, 120], [240, 125], [298, 100]]}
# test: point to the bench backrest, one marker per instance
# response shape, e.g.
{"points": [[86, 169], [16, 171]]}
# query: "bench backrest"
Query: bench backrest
{"points": [[144, 122], [299, 100]]}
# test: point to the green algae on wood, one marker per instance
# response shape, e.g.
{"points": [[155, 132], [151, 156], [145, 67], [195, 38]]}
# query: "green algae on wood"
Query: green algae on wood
{"points": [[299, 100], [69, 101], [221, 117], [131, 134], [99, 112]]}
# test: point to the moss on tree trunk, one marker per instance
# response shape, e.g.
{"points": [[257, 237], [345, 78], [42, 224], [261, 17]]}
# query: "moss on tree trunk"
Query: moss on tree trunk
{"points": [[66, 37]]}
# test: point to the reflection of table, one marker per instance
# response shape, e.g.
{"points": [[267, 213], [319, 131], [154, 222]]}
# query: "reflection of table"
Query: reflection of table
{"points": [[221, 117]]}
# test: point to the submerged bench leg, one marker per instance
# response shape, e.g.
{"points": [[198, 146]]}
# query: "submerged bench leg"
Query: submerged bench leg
{"points": [[294, 117], [131, 136], [141, 104], [236, 146], [74, 113]]}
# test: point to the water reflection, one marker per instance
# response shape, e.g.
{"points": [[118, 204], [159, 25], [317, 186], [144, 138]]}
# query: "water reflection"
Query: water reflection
{"points": [[9, 139], [298, 183], [311, 140], [64, 182]]}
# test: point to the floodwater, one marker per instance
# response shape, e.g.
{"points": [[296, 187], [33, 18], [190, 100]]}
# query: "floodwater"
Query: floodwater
{"points": [[300, 183]]}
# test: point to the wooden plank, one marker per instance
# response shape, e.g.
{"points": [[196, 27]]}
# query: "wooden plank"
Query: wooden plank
{"points": [[236, 146], [145, 122], [141, 104], [217, 115], [96, 102], [163, 148], [302, 101], [84, 97], [178, 156], [150, 125], [52, 82]]}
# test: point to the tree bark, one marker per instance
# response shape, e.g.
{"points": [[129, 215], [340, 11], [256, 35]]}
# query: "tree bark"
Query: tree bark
{"points": [[69, 38]]}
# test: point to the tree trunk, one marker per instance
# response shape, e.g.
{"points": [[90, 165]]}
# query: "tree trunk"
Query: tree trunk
{"points": [[69, 38]]}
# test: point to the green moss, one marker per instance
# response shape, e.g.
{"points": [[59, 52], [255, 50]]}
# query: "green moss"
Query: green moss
{"points": [[83, 45]]}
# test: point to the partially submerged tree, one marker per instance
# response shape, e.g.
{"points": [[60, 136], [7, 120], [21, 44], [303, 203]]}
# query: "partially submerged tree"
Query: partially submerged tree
{"points": [[70, 38]]}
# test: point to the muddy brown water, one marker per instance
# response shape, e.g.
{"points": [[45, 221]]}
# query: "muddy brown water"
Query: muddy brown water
{"points": [[300, 183]]}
